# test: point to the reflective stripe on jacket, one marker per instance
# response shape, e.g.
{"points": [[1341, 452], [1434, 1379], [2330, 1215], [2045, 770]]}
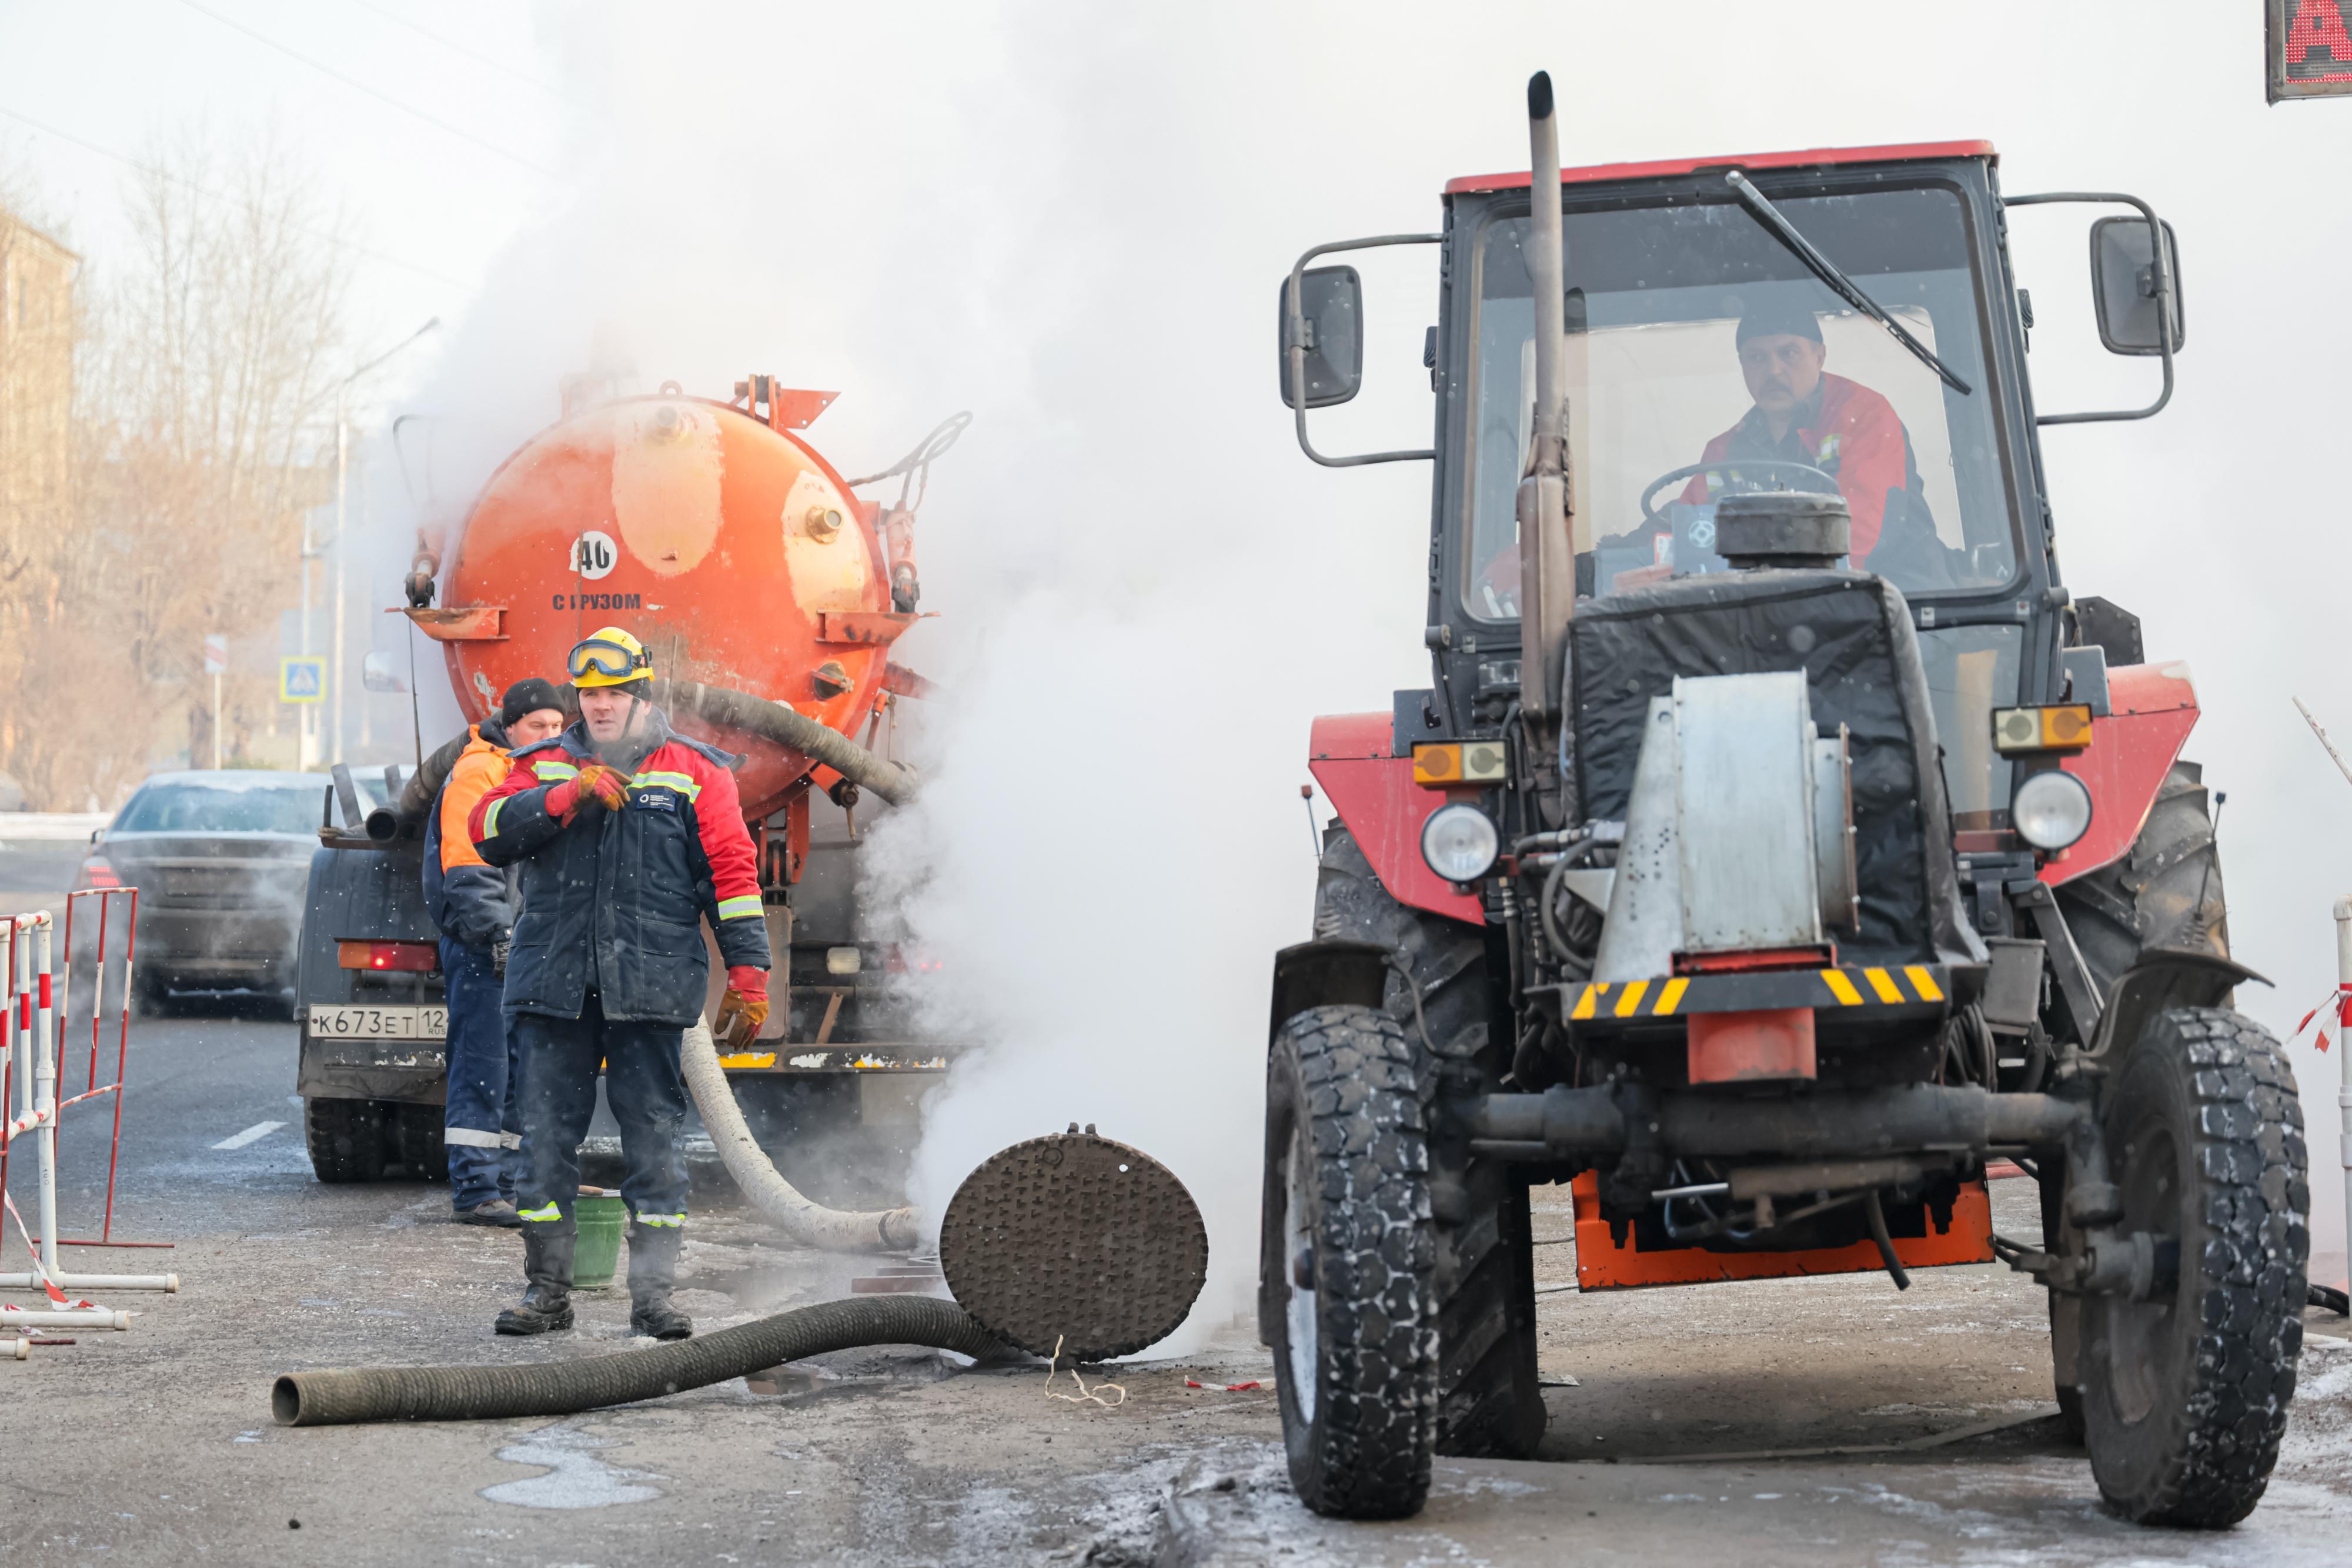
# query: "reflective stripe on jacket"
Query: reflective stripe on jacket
{"points": [[614, 899], [468, 899]]}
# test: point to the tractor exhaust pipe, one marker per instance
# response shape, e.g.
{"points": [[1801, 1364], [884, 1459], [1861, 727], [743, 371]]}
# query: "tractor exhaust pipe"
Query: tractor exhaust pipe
{"points": [[1547, 567]]}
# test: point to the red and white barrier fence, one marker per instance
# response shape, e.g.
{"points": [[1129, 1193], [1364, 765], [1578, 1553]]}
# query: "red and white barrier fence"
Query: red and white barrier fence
{"points": [[31, 1032]]}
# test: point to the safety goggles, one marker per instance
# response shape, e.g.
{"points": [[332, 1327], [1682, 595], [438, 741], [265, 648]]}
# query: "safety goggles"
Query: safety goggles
{"points": [[610, 660]]}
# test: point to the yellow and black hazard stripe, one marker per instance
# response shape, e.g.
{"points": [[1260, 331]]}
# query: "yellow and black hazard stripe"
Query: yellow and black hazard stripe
{"points": [[1909, 985]]}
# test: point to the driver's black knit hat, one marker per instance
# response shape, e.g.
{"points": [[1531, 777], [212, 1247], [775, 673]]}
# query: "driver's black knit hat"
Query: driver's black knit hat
{"points": [[528, 696], [1779, 320]]}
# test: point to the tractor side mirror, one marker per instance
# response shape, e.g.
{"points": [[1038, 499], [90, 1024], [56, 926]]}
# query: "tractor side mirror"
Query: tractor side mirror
{"points": [[1329, 326], [2124, 285]]}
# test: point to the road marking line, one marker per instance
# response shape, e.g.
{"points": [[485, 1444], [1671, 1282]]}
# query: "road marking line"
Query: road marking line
{"points": [[252, 1135]]}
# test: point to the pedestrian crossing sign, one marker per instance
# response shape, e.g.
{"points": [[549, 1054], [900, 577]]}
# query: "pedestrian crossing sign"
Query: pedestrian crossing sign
{"points": [[301, 680]]}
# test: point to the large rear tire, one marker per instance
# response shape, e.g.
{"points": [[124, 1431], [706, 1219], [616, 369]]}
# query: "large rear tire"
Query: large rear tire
{"points": [[346, 1139], [2184, 1394], [1488, 1403], [1347, 1252], [2166, 891]]}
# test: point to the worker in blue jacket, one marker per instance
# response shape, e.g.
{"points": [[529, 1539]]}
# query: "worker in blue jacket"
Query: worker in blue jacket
{"points": [[473, 908]]}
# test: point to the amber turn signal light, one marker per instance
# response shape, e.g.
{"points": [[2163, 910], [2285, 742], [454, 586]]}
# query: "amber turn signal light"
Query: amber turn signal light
{"points": [[2065, 728], [1439, 764]]}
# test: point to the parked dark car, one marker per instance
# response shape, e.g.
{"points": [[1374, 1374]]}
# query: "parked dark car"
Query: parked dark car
{"points": [[220, 860]]}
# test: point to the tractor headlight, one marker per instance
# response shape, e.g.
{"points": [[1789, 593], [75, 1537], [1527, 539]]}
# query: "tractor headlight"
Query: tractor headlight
{"points": [[2051, 810], [1460, 843]]}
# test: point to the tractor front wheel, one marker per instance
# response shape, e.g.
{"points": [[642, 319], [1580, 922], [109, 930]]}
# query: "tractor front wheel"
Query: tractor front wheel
{"points": [[1348, 1251], [2184, 1395]]}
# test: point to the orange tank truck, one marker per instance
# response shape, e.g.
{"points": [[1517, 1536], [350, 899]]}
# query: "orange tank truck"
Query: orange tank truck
{"points": [[770, 594], [716, 534]]}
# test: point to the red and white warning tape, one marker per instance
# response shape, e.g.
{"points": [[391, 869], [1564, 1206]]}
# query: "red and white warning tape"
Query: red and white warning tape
{"points": [[40, 1267]]}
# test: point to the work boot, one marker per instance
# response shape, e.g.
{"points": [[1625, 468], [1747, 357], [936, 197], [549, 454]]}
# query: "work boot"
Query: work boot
{"points": [[653, 1274], [497, 1211], [546, 1305]]}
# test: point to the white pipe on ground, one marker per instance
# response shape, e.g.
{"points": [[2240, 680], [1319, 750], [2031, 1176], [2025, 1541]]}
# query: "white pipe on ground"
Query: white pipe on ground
{"points": [[63, 1282], [808, 1223], [83, 1318]]}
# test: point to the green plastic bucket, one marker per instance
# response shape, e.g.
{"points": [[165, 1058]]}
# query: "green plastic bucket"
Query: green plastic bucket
{"points": [[598, 1252]]}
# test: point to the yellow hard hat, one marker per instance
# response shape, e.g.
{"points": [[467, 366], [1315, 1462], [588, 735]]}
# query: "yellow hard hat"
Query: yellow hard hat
{"points": [[609, 657]]}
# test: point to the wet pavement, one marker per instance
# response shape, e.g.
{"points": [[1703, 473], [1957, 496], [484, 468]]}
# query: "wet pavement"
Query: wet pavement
{"points": [[1909, 1428]]}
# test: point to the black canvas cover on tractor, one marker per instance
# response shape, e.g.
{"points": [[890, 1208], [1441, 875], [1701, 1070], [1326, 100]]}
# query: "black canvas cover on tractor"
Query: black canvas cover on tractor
{"points": [[1851, 633]]}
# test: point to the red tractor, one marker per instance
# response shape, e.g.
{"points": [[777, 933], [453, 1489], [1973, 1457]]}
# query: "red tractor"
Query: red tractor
{"points": [[1778, 841]]}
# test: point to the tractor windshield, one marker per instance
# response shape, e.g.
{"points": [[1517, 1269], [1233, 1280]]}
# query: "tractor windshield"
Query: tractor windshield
{"points": [[1705, 359]]}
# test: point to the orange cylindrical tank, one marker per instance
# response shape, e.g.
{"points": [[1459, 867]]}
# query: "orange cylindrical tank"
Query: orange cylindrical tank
{"points": [[729, 547]]}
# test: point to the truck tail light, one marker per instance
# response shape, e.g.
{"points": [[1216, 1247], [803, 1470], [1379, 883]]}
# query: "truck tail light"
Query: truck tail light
{"points": [[415, 958]]}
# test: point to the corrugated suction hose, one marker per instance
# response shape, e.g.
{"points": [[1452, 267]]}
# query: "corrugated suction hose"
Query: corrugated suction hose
{"points": [[810, 1224], [775, 722], [566, 1387]]}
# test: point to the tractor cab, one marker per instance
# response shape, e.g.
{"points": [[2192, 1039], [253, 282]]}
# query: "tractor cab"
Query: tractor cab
{"points": [[1841, 320]]}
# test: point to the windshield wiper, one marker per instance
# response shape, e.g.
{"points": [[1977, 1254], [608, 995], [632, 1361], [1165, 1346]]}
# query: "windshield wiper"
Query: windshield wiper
{"points": [[1822, 268]]}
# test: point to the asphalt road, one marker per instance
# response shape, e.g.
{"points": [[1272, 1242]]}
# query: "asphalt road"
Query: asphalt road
{"points": [[1815, 1422]]}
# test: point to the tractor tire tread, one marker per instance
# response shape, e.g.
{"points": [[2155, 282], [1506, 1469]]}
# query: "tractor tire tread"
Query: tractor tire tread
{"points": [[2251, 1162], [1489, 1404], [1374, 1429]]}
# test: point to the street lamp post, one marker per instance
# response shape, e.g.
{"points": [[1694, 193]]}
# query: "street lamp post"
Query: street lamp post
{"points": [[335, 588]]}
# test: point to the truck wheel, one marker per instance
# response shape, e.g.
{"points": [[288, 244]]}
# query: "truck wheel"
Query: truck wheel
{"points": [[1346, 1255], [2166, 891], [417, 1132], [1488, 1403], [346, 1139], [2184, 1394]]}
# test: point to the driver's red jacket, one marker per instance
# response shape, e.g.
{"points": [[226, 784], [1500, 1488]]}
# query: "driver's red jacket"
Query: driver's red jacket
{"points": [[1847, 431]]}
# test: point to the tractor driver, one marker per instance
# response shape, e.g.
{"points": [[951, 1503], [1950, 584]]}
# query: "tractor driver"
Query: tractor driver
{"points": [[1803, 414], [629, 836]]}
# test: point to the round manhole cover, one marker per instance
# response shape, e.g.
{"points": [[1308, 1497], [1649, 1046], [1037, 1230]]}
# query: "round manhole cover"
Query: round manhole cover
{"points": [[1076, 1238]]}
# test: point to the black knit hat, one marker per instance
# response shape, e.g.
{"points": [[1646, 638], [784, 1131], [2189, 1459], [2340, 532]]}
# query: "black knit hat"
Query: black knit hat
{"points": [[1779, 320], [528, 696]]}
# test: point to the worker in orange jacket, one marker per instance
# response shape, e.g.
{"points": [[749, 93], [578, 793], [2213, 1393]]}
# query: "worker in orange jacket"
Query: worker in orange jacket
{"points": [[1803, 415], [472, 906]]}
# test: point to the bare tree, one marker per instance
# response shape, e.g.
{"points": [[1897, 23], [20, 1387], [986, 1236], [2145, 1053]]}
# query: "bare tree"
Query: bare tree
{"points": [[198, 452]]}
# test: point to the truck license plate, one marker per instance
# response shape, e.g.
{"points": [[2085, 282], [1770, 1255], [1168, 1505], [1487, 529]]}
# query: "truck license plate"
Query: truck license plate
{"points": [[380, 1023]]}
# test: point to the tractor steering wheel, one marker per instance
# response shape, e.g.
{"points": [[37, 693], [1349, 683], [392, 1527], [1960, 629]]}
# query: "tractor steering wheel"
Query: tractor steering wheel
{"points": [[1748, 465]]}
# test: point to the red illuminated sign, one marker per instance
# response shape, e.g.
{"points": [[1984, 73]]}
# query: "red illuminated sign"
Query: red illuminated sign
{"points": [[2309, 50]]}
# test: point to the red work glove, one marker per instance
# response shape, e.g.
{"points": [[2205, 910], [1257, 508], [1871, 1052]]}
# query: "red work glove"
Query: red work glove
{"points": [[742, 1009], [611, 790], [596, 781]]}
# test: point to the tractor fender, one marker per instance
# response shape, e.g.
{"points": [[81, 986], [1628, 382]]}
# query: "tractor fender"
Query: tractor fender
{"points": [[2152, 709], [2164, 977], [1351, 756], [1330, 972]]}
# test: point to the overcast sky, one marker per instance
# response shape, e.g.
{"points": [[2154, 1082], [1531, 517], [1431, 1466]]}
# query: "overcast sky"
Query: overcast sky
{"points": [[1070, 219]]}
